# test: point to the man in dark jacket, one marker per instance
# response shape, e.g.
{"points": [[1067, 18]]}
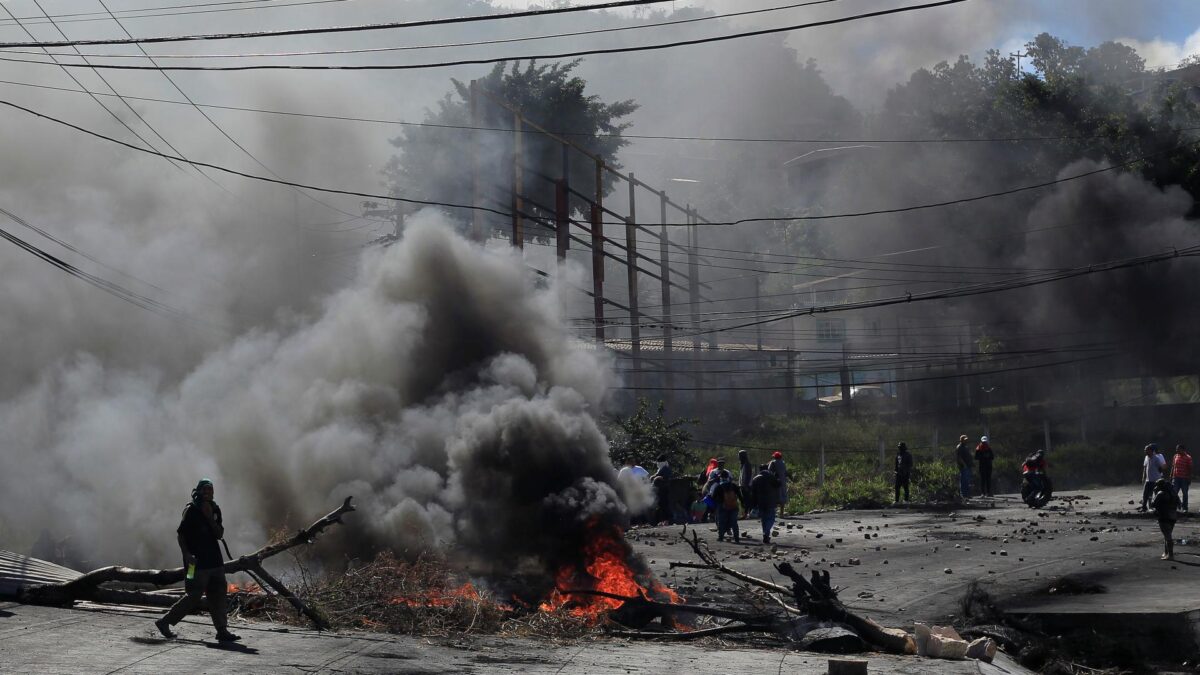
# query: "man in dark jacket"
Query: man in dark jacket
{"points": [[904, 464], [765, 488], [661, 482], [728, 497], [1164, 503], [984, 455], [199, 534], [962, 456]]}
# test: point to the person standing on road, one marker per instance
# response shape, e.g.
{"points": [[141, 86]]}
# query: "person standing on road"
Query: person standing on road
{"points": [[1152, 469], [765, 489], [199, 534], [1181, 474], [728, 498], [984, 455], [1164, 503], [745, 475], [661, 482], [962, 455], [904, 464], [777, 467]]}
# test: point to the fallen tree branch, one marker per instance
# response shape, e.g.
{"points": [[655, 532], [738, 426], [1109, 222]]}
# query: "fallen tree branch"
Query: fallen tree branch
{"points": [[87, 586], [817, 597], [691, 635]]}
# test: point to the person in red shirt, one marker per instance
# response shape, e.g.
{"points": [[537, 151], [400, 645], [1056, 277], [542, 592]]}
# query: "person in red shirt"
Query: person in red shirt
{"points": [[1181, 474]]}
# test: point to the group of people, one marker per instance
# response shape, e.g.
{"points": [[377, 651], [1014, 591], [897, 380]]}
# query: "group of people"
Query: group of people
{"points": [[759, 493], [1165, 490], [963, 457]]}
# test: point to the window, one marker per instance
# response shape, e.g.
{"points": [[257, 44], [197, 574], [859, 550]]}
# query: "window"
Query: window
{"points": [[831, 330]]}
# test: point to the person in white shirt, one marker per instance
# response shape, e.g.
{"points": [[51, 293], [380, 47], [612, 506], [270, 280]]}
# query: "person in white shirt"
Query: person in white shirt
{"points": [[1152, 469]]}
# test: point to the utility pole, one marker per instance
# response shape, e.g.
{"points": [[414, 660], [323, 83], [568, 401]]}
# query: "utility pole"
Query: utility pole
{"points": [[1018, 56], [665, 267], [635, 332], [518, 179], [598, 254], [562, 209], [694, 302], [477, 225]]}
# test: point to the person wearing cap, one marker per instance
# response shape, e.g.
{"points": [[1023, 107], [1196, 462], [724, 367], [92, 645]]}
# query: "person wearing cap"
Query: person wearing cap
{"points": [[962, 455], [904, 464], [766, 494], [1152, 469], [1164, 503], [199, 534], [984, 455], [779, 470]]}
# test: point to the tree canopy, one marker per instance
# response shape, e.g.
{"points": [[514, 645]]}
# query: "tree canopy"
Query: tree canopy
{"points": [[433, 162]]}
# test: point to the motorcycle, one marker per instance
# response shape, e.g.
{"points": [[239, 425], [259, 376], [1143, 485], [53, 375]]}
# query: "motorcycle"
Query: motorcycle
{"points": [[1037, 488]]}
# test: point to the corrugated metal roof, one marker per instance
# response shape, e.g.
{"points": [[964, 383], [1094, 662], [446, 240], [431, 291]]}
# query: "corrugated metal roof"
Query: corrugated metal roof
{"points": [[18, 571]]}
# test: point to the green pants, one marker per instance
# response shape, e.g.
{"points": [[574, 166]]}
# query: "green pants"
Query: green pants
{"points": [[210, 582]]}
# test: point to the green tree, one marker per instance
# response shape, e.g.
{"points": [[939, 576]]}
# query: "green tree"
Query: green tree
{"points": [[648, 434], [434, 162]]}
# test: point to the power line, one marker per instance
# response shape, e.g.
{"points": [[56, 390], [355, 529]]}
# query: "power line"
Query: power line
{"points": [[505, 130], [459, 45], [927, 378], [461, 62], [341, 29], [134, 13], [112, 288], [975, 289], [210, 120]]}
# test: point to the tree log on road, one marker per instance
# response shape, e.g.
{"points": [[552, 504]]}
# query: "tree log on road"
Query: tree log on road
{"points": [[88, 586]]}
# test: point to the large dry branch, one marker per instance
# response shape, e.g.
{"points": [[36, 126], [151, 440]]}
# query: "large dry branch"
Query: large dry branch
{"points": [[88, 586], [818, 598]]}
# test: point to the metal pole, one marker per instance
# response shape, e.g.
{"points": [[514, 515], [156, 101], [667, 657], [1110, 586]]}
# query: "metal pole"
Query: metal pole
{"points": [[518, 179], [665, 268], [598, 253], [562, 209], [694, 302], [758, 336], [477, 224], [635, 333]]}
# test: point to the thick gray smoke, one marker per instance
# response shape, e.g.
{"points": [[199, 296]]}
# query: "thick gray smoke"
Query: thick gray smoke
{"points": [[440, 389]]}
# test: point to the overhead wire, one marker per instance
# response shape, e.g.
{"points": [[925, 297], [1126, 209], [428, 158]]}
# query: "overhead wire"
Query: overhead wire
{"points": [[460, 62], [459, 45], [391, 25]]}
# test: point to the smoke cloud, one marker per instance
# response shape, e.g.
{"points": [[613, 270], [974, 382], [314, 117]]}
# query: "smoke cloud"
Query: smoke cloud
{"points": [[440, 389]]}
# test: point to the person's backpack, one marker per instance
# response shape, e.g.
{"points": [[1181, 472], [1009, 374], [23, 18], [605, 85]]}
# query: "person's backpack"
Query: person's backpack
{"points": [[729, 500]]}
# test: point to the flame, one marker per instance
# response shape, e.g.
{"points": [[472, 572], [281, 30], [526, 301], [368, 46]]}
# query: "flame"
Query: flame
{"points": [[440, 597], [606, 570], [247, 587]]}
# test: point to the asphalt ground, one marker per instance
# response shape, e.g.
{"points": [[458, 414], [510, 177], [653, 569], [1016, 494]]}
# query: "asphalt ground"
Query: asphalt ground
{"points": [[903, 564], [105, 640]]}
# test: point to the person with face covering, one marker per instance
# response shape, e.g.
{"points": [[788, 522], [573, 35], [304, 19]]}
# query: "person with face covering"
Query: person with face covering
{"points": [[199, 535]]}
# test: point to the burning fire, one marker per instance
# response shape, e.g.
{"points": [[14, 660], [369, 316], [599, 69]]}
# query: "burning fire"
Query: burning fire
{"points": [[605, 569], [439, 597], [243, 588]]}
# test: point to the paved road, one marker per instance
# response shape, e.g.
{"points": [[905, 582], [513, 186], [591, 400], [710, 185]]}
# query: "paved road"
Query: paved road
{"points": [[1013, 551], [94, 640]]}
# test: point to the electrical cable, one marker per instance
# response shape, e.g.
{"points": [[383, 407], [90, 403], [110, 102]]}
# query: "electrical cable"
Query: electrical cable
{"points": [[455, 45], [346, 29], [461, 62]]}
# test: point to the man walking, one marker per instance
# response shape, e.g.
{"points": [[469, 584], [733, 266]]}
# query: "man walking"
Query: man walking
{"points": [[984, 455], [1152, 469], [904, 464], [962, 455], [199, 532], [765, 489], [1181, 474], [728, 498], [779, 470]]}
